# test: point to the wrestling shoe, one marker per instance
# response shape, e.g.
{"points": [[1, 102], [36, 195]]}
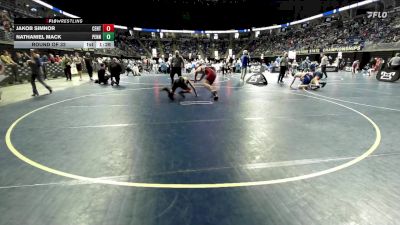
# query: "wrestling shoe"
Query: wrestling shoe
{"points": [[181, 93], [215, 95]]}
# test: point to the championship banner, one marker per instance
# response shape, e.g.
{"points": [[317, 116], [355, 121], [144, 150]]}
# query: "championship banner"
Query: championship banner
{"points": [[343, 49], [336, 49]]}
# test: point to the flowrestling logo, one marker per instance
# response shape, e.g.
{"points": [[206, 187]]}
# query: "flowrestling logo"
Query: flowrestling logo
{"points": [[380, 15]]}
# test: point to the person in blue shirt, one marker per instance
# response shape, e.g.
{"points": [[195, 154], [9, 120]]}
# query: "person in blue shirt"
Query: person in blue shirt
{"points": [[277, 61], [245, 63], [313, 66], [237, 66]]}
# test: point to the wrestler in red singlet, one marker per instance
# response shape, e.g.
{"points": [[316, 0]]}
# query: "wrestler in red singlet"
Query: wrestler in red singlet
{"points": [[210, 75]]}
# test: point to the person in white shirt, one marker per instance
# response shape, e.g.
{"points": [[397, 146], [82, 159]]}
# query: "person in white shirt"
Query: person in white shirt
{"points": [[129, 67], [135, 70], [78, 63]]}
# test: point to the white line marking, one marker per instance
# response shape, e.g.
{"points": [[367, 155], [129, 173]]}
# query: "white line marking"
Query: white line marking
{"points": [[345, 83], [196, 103], [103, 126], [201, 121], [253, 118], [251, 166], [355, 103], [369, 151], [94, 106], [63, 183], [101, 95]]}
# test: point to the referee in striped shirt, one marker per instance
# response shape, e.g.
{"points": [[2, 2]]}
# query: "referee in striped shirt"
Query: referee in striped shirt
{"points": [[324, 63]]}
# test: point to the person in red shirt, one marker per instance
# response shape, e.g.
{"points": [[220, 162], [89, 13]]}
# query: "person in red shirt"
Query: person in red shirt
{"points": [[210, 75], [57, 59]]}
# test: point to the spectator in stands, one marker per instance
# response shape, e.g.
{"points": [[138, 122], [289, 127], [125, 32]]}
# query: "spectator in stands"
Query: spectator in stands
{"points": [[20, 59], [57, 59], [66, 64], [7, 60], [36, 67], [44, 59], [394, 62], [78, 63], [5, 21], [313, 66], [237, 66], [51, 58], [136, 70], [163, 67]]}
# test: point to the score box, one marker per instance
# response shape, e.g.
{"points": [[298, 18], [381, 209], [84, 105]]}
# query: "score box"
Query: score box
{"points": [[108, 36], [89, 44], [104, 44], [108, 27]]}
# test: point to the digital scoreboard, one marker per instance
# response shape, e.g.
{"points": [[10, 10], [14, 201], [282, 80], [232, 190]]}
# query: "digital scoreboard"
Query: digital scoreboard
{"points": [[61, 33]]}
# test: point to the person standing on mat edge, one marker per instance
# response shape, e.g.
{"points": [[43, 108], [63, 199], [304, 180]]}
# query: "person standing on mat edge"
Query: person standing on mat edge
{"points": [[324, 63], [283, 67], [245, 59], [89, 64], [115, 70], [36, 66], [177, 63]]}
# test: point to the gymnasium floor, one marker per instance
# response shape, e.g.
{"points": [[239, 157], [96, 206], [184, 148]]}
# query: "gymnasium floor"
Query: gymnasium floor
{"points": [[91, 154]]}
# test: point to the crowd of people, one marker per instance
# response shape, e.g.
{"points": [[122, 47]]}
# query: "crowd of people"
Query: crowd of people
{"points": [[360, 31], [108, 69], [201, 49], [340, 32]]}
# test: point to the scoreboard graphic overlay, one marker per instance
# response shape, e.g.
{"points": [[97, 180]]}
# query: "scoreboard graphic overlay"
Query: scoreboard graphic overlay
{"points": [[61, 33]]}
